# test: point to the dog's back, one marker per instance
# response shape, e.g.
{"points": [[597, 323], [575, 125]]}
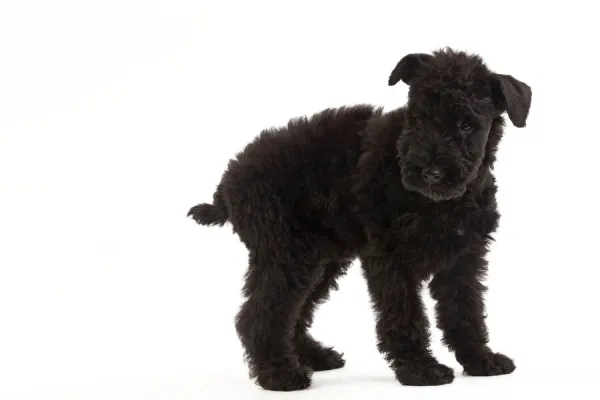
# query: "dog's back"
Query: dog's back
{"points": [[292, 183]]}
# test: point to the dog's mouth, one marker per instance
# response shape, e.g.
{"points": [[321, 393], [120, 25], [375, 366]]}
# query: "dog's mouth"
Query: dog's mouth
{"points": [[435, 192], [444, 195], [452, 184]]}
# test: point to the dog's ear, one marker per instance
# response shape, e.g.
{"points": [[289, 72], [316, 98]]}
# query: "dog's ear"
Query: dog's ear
{"points": [[512, 96], [408, 67]]}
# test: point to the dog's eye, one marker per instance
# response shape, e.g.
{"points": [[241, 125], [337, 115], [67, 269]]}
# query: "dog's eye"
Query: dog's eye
{"points": [[464, 126]]}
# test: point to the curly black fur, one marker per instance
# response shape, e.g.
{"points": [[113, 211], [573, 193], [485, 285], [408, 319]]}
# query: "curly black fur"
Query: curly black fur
{"points": [[410, 193]]}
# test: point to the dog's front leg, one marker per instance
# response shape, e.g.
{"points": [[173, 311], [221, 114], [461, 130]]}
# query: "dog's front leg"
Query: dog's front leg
{"points": [[402, 325], [460, 315]]}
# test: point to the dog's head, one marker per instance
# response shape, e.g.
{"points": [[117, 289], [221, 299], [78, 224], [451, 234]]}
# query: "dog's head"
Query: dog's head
{"points": [[453, 102]]}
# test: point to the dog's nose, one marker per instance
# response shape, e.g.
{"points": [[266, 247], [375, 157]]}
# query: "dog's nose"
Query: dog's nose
{"points": [[432, 174]]}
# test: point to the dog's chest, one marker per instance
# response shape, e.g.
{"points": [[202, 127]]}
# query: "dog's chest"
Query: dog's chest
{"points": [[438, 234], [434, 227]]}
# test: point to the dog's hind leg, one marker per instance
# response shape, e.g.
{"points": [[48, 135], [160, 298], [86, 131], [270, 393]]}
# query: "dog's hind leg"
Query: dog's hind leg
{"points": [[275, 291], [312, 353]]}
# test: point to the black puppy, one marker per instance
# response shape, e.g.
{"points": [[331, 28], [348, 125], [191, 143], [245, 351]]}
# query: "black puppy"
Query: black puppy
{"points": [[410, 193]]}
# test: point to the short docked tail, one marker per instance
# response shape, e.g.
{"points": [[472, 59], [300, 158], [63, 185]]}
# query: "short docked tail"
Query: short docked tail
{"points": [[210, 214]]}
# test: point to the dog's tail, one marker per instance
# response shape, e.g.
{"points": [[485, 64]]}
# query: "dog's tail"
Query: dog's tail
{"points": [[211, 214]]}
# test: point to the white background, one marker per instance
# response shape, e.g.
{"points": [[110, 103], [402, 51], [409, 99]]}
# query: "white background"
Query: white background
{"points": [[116, 116]]}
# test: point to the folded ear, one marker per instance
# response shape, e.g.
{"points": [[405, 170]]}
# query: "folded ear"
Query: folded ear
{"points": [[408, 67], [512, 96]]}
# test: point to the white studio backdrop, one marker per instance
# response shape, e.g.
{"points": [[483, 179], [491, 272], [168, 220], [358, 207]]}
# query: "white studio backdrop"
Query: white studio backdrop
{"points": [[117, 116]]}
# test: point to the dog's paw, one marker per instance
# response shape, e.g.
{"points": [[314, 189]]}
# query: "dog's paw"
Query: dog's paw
{"points": [[325, 360], [489, 364], [431, 374], [284, 380]]}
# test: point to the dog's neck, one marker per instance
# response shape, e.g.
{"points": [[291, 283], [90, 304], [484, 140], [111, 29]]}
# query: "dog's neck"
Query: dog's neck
{"points": [[481, 181]]}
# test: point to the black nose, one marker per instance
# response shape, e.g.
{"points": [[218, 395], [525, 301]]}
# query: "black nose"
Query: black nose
{"points": [[432, 174]]}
